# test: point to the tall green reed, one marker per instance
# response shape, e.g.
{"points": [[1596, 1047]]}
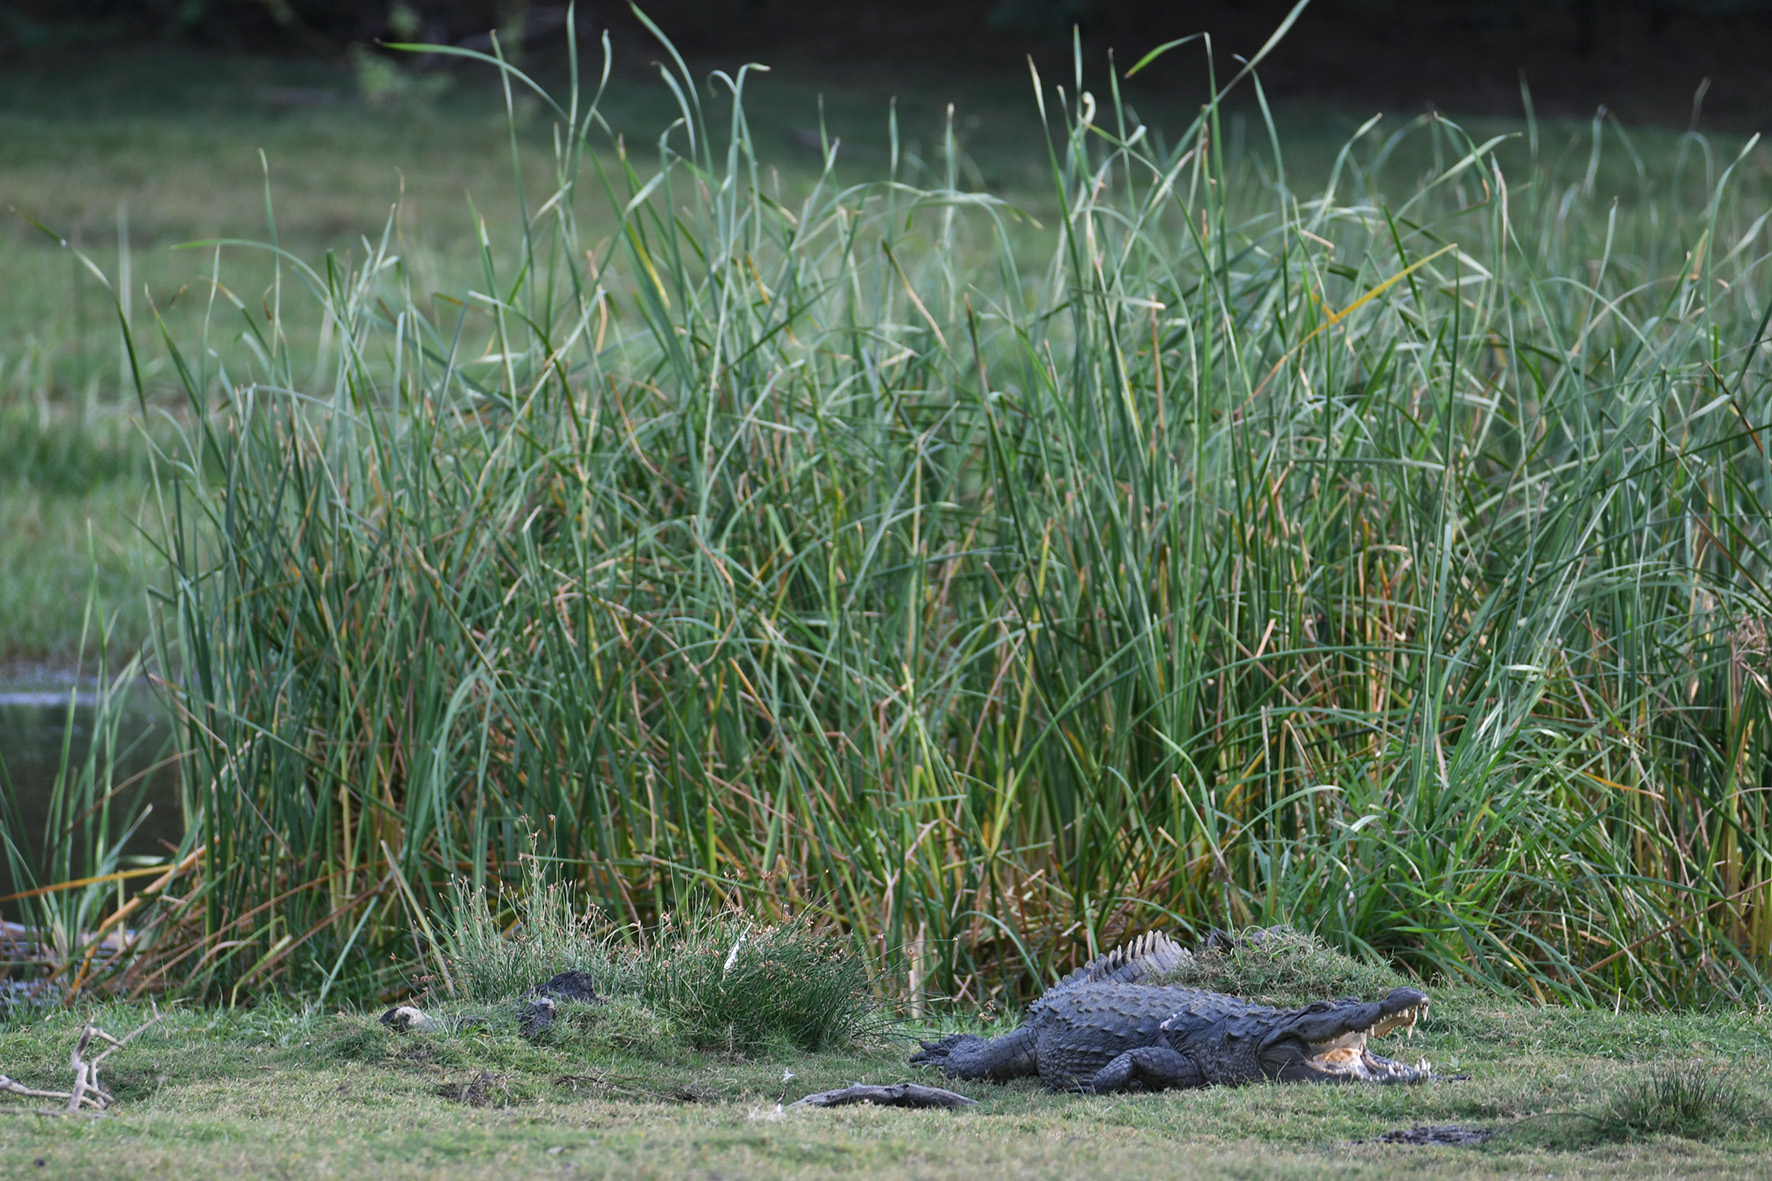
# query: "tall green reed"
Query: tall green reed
{"points": [[77, 891], [1387, 559]]}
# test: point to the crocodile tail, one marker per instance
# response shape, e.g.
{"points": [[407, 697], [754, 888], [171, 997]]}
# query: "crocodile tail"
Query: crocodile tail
{"points": [[966, 1055], [1151, 954]]}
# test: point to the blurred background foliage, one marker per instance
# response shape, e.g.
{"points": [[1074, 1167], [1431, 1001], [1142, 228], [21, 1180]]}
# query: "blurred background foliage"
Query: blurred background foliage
{"points": [[1647, 60], [333, 24]]}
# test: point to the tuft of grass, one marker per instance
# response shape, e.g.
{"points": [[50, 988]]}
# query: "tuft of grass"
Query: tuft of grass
{"points": [[352, 1039], [495, 948], [1281, 966], [626, 1027], [1694, 1102], [728, 982], [711, 980]]}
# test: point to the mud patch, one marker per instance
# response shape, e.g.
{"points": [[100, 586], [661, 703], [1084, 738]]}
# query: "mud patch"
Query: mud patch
{"points": [[475, 1092], [1436, 1134], [633, 1087]]}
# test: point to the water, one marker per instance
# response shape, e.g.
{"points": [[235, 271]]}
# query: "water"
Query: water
{"points": [[35, 706]]}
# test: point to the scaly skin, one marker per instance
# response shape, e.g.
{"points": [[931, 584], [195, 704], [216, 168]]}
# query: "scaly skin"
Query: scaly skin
{"points": [[1099, 1030]]}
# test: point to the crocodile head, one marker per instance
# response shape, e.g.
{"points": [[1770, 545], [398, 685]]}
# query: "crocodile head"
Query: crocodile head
{"points": [[1326, 1042]]}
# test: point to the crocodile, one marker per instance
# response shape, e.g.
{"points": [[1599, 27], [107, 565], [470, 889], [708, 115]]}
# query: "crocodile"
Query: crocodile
{"points": [[1105, 1027]]}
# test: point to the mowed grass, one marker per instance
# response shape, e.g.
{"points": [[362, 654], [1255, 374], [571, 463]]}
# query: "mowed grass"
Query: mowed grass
{"points": [[634, 1086], [278, 1092]]}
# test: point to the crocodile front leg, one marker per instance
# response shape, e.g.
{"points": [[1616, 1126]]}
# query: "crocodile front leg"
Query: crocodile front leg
{"points": [[966, 1055], [1155, 1068]]}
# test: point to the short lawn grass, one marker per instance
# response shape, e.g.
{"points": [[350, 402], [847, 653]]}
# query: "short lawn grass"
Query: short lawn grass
{"points": [[276, 1092]]}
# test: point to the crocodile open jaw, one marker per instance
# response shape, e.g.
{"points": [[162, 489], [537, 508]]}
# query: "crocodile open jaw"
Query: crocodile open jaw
{"points": [[1347, 1058]]}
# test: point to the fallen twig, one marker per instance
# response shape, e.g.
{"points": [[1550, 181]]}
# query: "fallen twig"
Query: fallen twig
{"points": [[88, 1092], [12, 1087], [893, 1095]]}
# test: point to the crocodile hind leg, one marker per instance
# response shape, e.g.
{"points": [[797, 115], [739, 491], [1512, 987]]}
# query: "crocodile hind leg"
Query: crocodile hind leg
{"points": [[1155, 1068], [966, 1055]]}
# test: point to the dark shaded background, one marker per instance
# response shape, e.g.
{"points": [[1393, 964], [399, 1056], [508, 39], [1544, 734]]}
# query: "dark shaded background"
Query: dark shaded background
{"points": [[1645, 59]]}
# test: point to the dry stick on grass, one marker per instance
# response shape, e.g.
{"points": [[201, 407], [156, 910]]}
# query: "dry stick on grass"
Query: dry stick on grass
{"points": [[87, 1092], [13, 1087]]}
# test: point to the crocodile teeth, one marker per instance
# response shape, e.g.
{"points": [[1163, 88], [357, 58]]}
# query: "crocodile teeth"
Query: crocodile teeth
{"points": [[1403, 1019]]}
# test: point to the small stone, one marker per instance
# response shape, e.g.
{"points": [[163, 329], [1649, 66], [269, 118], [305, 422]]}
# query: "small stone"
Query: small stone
{"points": [[407, 1019]]}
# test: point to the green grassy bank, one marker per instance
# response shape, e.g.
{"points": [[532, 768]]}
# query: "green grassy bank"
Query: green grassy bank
{"points": [[272, 1092], [693, 1059]]}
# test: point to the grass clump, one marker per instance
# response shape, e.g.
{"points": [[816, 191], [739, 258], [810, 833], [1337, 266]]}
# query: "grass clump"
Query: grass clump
{"points": [[1281, 966], [718, 980], [352, 1039], [624, 1027], [495, 947], [733, 984], [1692, 1102]]}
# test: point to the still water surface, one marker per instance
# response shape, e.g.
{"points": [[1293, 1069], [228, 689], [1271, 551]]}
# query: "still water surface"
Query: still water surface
{"points": [[37, 706]]}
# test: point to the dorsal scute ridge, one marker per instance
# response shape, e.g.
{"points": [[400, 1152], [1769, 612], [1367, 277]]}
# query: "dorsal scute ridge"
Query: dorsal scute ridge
{"points": [[1151, 954]]}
